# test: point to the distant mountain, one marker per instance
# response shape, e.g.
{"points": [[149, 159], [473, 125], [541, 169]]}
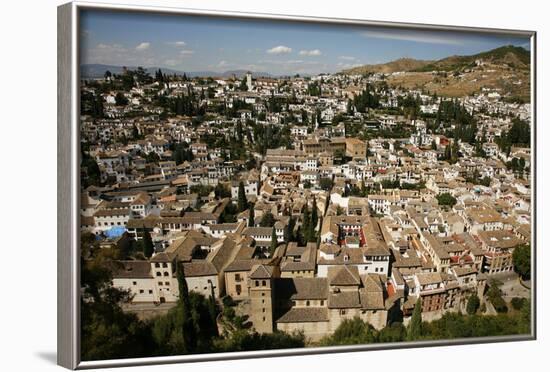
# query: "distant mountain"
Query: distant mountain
{"points": [[512, 56], [94, 71]]}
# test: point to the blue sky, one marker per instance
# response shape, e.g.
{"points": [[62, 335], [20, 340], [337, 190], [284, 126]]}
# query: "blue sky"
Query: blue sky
{"points": [[193, 43]]}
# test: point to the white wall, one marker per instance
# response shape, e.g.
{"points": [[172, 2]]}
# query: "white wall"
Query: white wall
{"points": [[31, 47]]}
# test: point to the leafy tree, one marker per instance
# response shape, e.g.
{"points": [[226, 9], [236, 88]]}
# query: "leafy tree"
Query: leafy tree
{"points": [[93, 172], [414, 331], [201, 190], [351, 331], [367, 99], [182, 153], [221, 191], [148, 246], [446, 199], [152, 157], [120, 99], [168, 330], [229, 214], [517, 303], [243, 340], [455, 325], [525, 317], [396, 332], [494, 294], [326, 183], [242, 203], [522, 260], [473, 304], [106, 331], [267, 220]]}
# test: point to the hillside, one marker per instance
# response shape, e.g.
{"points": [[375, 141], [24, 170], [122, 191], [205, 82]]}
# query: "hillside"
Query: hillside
{"points": [[511, 56], [401, 64], [505, 69]]}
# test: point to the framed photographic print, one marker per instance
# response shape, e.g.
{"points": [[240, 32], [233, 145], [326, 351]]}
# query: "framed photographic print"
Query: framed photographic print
{"points": [[235, 185]]}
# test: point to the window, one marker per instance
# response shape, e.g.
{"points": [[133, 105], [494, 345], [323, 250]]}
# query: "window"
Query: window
{"points": [[263, 283], [263, 310], [166, 283], [150, 291], [164, 264], [238, 289], [307, 303], [141, 291], [322, 302], [238, 277], [157, 264], [134, 283], [159, 283], [166, 273], [158, 273], [263, 294], [257, 283]]}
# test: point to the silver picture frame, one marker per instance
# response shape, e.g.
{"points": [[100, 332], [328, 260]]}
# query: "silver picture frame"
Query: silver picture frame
{"points": [[68, 189]]}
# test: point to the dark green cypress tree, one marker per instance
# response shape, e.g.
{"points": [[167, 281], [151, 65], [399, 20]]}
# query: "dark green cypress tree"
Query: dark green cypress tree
{"points": [[306, 222], [414, 330], [251, 216], [313, 223], [148, 246], [213, 310], [186, 319], [241, 198]]}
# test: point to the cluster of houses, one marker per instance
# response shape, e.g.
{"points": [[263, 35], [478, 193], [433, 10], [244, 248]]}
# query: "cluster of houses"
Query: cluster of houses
{"points": [[381, 238]]}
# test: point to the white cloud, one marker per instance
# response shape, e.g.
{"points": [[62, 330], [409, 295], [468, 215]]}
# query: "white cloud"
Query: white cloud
{"points": [[177, 43], [143, 46], [311, 53], [426, 37], [347, 58], [281, 49], [187, 52], [116, 54]]}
